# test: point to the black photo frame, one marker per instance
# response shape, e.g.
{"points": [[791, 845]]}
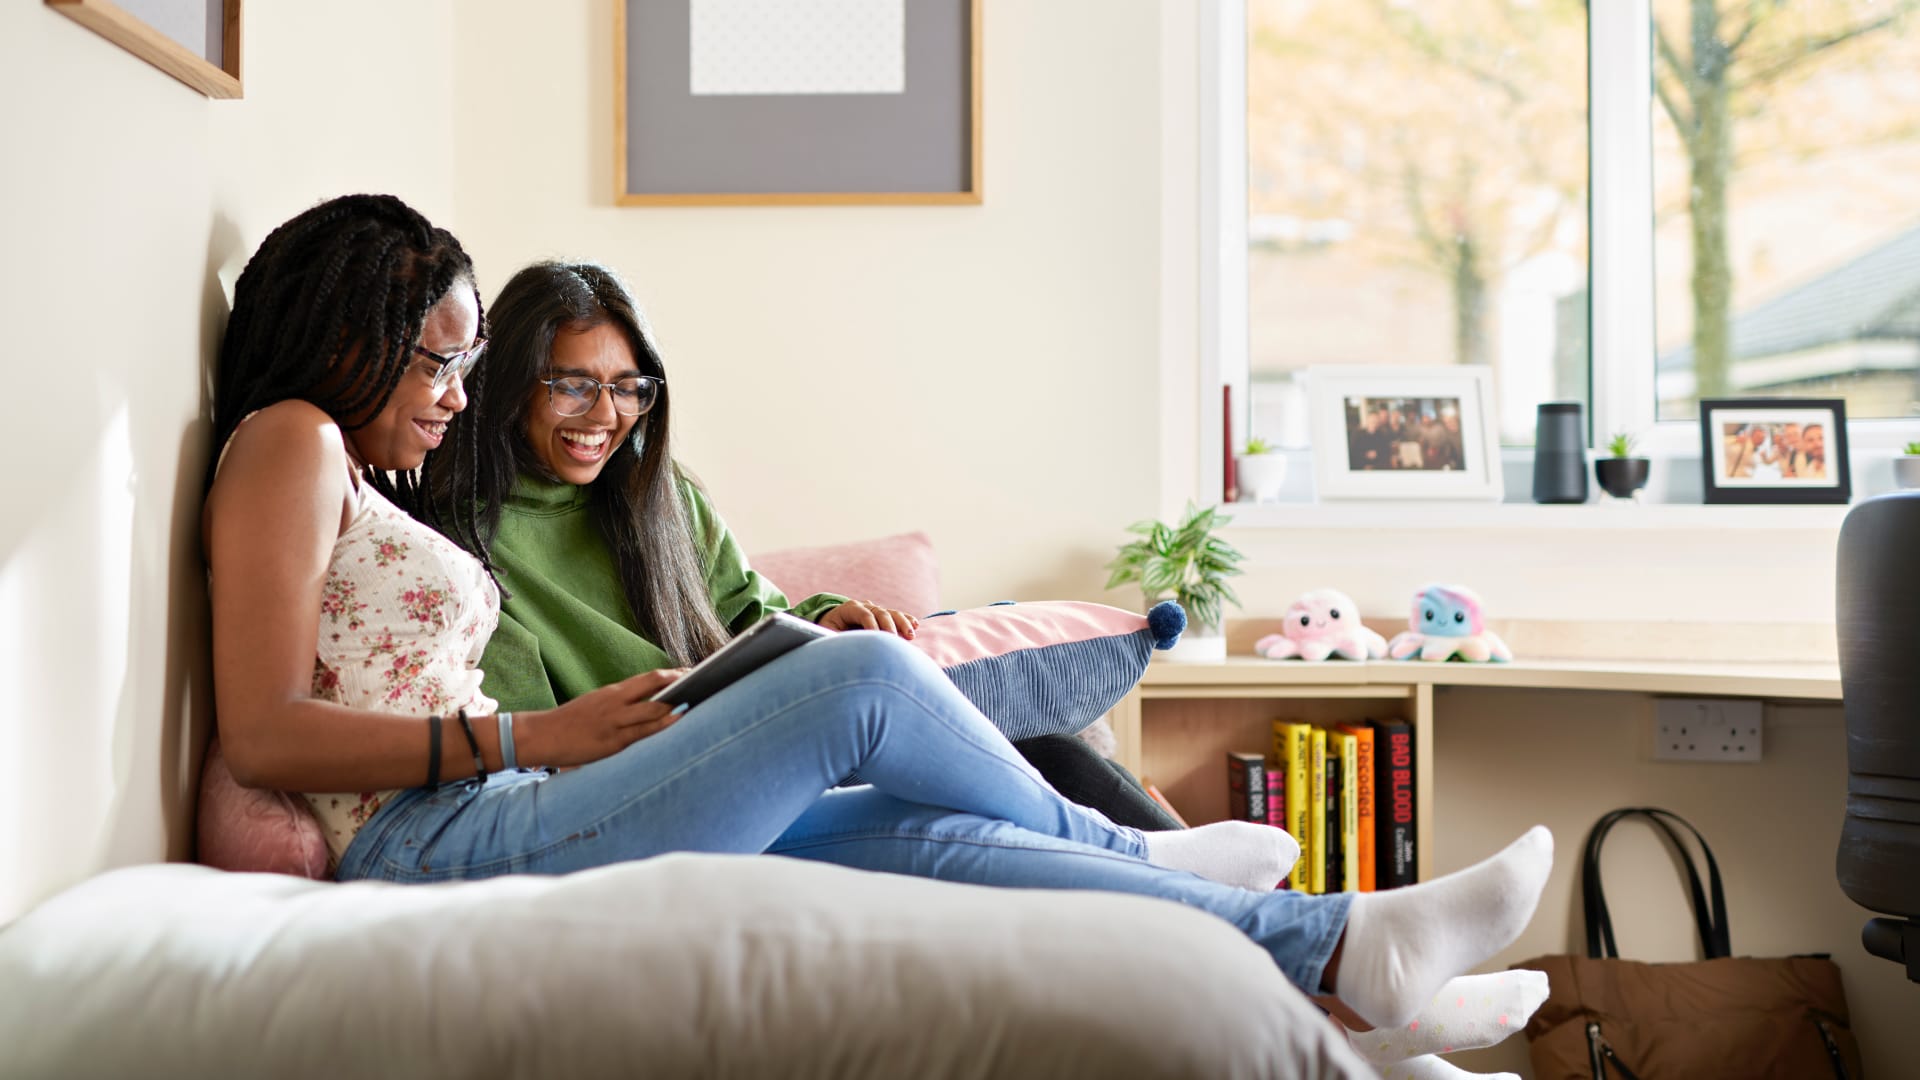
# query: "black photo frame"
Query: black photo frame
{"points": [[1752, 448]]}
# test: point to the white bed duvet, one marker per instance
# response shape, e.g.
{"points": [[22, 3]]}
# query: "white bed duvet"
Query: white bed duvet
{"points": [[678, 966]]}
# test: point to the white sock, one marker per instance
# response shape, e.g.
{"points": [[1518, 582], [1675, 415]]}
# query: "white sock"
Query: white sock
{"points": [[1429, 1067], [1243, 853], [1469, 1012], [1402, 945]]}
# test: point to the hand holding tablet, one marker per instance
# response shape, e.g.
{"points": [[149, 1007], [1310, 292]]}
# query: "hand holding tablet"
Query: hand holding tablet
{"points": [[767, 640]]}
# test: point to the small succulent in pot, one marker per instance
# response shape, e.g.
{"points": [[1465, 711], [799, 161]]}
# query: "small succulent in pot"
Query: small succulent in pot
{"points": [[1621, 474], [1262, 471], [1906, 467]]}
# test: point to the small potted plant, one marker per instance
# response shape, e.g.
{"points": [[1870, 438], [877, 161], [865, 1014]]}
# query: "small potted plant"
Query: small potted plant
{"points": [[1188, 564], [1620, 473], [1906, 467], [1261, 471]]}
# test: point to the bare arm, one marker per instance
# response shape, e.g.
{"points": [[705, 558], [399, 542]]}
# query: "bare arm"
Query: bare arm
{"points": [[270, 523]]}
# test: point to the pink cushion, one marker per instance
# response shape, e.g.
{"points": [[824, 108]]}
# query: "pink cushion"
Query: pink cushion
{"points": [[898, 572], [249, 829]]}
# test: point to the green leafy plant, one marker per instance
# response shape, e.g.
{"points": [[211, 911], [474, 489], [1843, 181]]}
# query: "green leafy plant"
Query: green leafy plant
{"points": [[1185, 561], [1913, 448], [1257, 445], [1621, 445]]}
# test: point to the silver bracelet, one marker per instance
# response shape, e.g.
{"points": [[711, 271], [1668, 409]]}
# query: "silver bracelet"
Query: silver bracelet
{"points": [[507, 759]]}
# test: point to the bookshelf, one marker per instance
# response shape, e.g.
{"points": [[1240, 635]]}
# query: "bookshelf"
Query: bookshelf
{"points": [[1178, 724]]}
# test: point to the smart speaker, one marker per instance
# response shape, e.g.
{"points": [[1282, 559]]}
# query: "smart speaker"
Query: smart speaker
{"points": [[1559, 454]]}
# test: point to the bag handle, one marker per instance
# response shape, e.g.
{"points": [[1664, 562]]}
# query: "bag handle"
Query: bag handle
{"points": [[1711, 924]]}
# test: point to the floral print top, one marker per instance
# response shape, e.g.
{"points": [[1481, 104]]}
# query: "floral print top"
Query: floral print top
{"points": [[404, 616]]}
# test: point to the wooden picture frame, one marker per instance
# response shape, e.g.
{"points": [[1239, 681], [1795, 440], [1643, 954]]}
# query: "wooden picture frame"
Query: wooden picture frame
{"points": [[1751, 449], [124, 25], [919, 145], [1404, 432]]}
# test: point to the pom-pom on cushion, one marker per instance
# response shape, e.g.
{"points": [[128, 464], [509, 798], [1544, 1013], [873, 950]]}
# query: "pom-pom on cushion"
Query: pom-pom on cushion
{"points": [[898, 572], [253, 830], [1047, 668]]}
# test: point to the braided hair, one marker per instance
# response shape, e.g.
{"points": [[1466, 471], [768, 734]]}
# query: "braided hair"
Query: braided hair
{"points": [[635, 502], [328, 310]]}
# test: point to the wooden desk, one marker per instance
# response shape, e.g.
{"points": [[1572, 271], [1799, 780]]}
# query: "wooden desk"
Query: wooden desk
{"points": [[1178, 724]]}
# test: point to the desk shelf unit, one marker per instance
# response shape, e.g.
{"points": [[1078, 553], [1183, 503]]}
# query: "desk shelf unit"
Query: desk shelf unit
{"points": [[1176, 727]]}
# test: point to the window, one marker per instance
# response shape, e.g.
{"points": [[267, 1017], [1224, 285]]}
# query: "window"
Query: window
{"points": [[1416, 194], [1786, 152], [1419, 189]]}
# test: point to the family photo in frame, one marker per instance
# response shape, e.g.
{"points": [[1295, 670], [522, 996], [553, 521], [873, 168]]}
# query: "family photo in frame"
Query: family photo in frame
{"points": [[1392, 432], [1774, 450]]}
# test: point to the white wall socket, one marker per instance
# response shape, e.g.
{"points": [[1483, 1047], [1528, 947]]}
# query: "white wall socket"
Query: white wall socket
{"points": [[1706, 729]]}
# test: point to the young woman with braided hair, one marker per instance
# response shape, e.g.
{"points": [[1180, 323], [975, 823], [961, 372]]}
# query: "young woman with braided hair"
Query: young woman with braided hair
{"points": [[346, 636]]}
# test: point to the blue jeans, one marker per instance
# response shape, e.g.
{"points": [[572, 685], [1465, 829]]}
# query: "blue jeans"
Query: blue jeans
{"points": [[751, 770]]}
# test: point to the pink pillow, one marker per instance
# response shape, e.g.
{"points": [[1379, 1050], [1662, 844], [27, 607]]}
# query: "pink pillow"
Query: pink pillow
{"points": [[895, 571], [253, 830]]}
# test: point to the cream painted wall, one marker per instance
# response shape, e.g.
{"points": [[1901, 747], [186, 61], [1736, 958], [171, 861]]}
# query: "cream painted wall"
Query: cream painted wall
{"points": [[985, 373], [122, 191]]}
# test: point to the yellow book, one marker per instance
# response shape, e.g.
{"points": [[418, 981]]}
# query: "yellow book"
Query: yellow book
{"points": [[1316, 811], [1292, 740], [1349, 811]]}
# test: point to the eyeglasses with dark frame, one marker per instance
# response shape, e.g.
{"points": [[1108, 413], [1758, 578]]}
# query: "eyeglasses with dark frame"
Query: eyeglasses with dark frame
{"points": [[455, 366], [576, 395]]}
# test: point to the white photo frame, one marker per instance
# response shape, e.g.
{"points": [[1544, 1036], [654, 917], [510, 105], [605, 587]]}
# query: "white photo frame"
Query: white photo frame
{"points": [[1435, 434]]}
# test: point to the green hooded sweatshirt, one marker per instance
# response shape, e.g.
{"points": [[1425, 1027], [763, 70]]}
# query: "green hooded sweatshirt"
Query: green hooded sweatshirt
{"points": [[568, 628]]}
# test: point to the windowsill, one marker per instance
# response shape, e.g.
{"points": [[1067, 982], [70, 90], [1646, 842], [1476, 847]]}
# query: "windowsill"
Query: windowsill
{"points": [[1411, 514]]}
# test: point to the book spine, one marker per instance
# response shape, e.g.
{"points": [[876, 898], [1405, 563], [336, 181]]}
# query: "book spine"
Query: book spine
{"points": [[1276, 794], [1317, 808], [1336, 835], [1395, 837], [1298, 745], [1349, 813], [1364, 824], [1247, 787]]}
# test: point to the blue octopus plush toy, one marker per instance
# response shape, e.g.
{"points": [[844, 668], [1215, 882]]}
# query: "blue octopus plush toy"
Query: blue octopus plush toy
{"points": [[1447, 623]]}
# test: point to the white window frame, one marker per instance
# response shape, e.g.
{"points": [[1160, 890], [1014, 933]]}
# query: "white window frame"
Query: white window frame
{"points": [[1620, 197]]}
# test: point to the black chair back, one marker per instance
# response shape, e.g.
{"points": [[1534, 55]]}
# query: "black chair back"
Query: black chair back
{"points": [[1878, 614]]}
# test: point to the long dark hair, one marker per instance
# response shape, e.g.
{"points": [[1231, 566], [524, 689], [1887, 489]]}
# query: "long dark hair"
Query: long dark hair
{"points": [[635, 501], [328, 310]]}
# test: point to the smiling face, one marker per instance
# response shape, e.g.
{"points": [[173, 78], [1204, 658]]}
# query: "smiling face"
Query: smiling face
{"points": [[415, 418], [576, 448]]}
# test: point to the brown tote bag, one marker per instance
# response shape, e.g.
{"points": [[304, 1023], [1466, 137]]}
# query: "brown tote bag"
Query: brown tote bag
{"points": [[1722, 1016]]}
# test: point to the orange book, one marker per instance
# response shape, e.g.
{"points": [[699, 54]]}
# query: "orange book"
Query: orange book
{"points": [[1364, 810], [1154, 794]]}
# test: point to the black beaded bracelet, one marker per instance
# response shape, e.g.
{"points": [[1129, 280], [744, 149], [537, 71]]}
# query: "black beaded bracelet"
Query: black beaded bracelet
{"points": [[479, 763], [433, 751]]}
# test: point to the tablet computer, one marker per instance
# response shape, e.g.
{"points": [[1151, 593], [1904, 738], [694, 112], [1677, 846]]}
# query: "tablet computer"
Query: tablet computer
{"points": [[770, 638]]}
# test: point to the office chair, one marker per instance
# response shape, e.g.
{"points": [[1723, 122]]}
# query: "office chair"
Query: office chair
{"points": [[1878, 620]]}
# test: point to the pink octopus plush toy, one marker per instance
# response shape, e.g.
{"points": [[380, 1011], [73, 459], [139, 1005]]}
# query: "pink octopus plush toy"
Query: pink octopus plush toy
{"points": [[1322, 623], [1446, 623]]}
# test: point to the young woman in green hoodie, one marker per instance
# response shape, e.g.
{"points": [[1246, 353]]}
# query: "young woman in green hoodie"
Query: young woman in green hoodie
{"points": [[589, 519]]}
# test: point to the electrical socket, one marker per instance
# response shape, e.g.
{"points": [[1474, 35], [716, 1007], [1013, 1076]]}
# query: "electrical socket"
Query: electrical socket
{"points": [[1706, 729]]}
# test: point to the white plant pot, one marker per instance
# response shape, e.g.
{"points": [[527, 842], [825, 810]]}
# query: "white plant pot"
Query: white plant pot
{"points": [[1906, 471], [1196, 647], [1260, 476]]}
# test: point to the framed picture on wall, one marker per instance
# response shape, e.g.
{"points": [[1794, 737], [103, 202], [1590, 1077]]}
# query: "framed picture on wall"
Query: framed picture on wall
{"points": [[1775, 450], [195, 41], [1404, 432], [771, 102]]}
